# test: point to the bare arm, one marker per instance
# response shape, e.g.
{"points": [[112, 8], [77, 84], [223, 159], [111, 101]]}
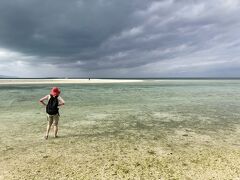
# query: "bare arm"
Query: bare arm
{"points": [[43, 99], [61, 101]]}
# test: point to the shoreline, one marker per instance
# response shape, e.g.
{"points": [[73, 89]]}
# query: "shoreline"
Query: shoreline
{"points": [[64, 81]]}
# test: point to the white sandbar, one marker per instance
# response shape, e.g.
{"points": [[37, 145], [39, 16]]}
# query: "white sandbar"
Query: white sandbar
{"points": [[64, 81]]}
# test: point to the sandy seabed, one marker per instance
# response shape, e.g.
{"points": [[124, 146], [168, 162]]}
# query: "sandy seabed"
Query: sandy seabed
{"points": [[135, 130]]}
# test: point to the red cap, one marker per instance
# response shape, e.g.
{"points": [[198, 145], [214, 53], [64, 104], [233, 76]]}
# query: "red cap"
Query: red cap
{"points": [[55, 91]]}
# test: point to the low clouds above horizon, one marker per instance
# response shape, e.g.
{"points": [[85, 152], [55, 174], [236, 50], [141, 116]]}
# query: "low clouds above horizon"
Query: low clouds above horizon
{"points": [[103, 38]]}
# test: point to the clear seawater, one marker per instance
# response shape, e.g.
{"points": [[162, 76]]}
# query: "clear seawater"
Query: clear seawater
{"points": [[174, 115], [208, 105]]}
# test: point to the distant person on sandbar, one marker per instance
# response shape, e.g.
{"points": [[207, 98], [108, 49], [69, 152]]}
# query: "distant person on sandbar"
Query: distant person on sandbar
{"points": [[52, 110]]}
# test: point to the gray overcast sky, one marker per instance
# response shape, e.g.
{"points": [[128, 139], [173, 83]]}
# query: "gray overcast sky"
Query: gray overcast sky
{"points": [[120, 38]]}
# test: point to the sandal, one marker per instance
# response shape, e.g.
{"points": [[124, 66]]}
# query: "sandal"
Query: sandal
{"points": [[46, 137]]}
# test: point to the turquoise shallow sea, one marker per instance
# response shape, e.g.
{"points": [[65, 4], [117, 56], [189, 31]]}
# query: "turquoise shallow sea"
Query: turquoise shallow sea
{"points": [[155, 129]]}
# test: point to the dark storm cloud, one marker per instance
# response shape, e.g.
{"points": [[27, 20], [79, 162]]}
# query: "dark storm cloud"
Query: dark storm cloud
{"points": [[58, 27], [125, 38]]}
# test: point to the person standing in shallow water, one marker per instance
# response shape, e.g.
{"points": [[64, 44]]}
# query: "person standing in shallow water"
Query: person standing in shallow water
{"points": [[54, 101]]}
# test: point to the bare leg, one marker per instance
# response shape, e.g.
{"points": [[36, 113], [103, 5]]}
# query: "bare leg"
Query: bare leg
{"points": [[55, 130], [48, 128], [55, 124]]}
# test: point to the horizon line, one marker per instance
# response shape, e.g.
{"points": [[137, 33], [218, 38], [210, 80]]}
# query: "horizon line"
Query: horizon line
{"points": [[119, 78]]}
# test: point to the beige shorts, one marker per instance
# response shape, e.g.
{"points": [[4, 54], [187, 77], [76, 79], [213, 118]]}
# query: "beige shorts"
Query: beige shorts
{"points": [[53, 119]]}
